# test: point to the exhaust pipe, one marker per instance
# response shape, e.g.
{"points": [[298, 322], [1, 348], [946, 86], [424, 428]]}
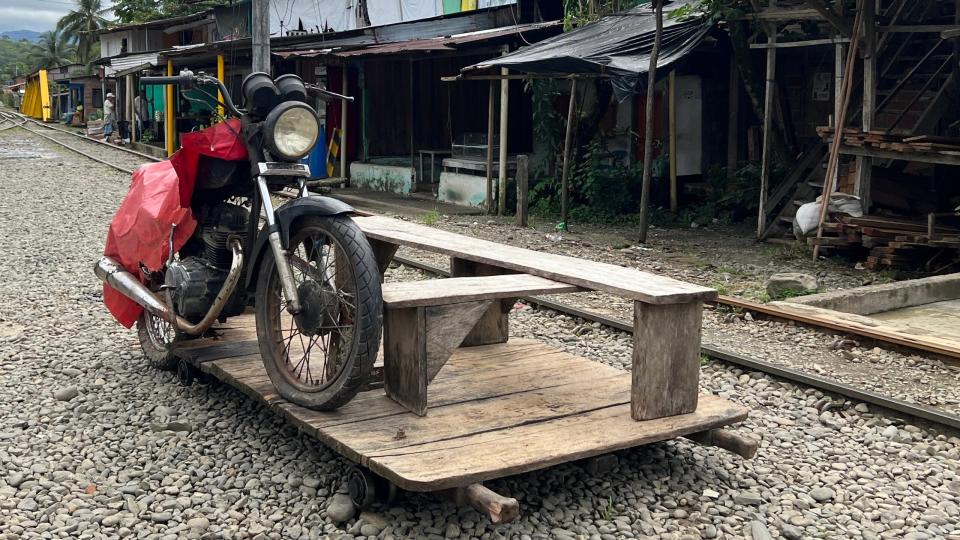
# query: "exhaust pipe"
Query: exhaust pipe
{"points": [[112, 273]]}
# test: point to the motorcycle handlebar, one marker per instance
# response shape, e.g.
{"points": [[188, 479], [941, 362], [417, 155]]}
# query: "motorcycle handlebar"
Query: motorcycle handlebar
{"points": [[188, 80], [324, 93]]}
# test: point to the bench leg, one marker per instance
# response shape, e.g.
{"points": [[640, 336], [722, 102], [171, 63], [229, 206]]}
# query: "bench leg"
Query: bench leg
{"points": [[417, 342], [666, 359], [405, 357], [494, 326]]}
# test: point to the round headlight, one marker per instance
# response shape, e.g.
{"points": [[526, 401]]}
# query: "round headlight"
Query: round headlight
{"points": [[291, 130]]}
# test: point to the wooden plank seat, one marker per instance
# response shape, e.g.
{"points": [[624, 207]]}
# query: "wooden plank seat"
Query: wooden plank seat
{"points": [[425, 321]]}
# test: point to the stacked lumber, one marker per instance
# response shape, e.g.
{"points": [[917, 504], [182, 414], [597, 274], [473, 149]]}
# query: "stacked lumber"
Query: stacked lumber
{"points": [[897, 143], [892, 243]]}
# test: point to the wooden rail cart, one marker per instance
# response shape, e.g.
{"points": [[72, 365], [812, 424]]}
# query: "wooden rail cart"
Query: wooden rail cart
{"points": [[455, 403]]}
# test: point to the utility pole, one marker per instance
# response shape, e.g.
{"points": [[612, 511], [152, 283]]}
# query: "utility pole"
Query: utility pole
{"points": [[261, 35]]}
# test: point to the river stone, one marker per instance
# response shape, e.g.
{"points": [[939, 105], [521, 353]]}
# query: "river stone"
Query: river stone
{"points": [[341, 508], [66, 394], [783, 283], [821, 494]]}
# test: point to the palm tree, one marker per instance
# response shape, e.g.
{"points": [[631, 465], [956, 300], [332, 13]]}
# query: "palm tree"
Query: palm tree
{"points": [[81, 26], [53, 49]]}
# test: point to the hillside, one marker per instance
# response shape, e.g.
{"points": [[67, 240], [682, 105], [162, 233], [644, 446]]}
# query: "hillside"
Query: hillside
{"points": [[16, 35]]}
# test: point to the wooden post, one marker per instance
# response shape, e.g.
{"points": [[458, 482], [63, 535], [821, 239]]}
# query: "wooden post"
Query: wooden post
{"points": [[648, 119], [344, 166], [767, 127], [521, 178], [170, 118], [567, 143], [490, 122], [666, 359], [221, 76], [865, 164], [838, 70], [413, 150], [672, 90], [733, 118], [504, 116]]}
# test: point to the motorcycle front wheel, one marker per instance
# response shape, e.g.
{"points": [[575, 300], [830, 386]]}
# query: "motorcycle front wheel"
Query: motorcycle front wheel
{"points": [[321, 357]]}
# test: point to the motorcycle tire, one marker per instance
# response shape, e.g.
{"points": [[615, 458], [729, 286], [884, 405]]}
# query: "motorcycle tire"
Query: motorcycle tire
{"points": [[157, 347], [341, 313]]}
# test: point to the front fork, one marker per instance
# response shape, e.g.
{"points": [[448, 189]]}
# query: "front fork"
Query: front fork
{"points": [[279, 254]]}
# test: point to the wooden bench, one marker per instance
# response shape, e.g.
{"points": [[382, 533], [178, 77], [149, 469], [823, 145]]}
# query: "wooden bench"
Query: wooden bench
{"points": [[667, 312], [425, 321]]}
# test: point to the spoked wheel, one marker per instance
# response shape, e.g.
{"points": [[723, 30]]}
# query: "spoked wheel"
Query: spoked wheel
{"points": [[157, 337], [320, 357]]}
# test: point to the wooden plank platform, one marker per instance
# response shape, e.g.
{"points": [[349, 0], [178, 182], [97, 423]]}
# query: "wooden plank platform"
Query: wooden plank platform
{"points": [[495, 410]]}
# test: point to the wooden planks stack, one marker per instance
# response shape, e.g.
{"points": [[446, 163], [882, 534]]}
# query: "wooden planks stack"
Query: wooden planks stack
{"points": [[891, 242], [897, 143]]}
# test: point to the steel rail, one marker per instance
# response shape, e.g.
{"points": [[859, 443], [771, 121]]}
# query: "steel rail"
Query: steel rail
{"points": [[81, 152], [84, 137], [912, 410]]}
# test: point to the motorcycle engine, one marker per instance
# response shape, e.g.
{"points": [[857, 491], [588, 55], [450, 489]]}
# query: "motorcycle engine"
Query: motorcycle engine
{"points": [[194, 281]]}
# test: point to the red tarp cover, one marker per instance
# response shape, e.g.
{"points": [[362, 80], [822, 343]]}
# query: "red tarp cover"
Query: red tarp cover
{"points": [[159, 197]]}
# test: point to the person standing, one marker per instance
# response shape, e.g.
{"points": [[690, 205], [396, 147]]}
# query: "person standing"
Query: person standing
{"points": [[140, 113], [109, 116]]}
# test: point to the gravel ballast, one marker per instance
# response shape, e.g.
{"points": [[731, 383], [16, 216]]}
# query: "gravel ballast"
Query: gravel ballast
{"points": [[102, 464]]}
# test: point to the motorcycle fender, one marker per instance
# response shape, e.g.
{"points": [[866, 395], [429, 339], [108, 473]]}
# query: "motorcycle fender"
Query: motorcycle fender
{"points": [[286, 216]]}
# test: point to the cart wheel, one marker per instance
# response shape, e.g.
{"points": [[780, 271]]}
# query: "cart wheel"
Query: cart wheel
{"points": [[361, 485], [186, 373]]}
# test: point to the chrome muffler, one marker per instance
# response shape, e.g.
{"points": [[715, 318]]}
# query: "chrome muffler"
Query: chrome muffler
{"points": [[113, 274]]}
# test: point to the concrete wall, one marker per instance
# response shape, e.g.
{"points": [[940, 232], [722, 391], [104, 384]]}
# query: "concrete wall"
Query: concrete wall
{"points": [[376, 177], [462, 189], [886, 297]]}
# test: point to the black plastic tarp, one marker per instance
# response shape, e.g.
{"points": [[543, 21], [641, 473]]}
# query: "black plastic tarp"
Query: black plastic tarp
{"points": [[617, 46]]}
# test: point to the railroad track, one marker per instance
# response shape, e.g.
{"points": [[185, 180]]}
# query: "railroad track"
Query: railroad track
{"points": [[9, 120], [929, 414]]}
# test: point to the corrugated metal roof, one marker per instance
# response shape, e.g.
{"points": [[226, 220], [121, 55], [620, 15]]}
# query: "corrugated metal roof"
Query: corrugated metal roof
{"points": [[125, 63], [617, 46], [438, 44]]}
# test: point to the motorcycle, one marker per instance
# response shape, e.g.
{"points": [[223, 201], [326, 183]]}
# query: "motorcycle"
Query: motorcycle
{"points": [[308, 272]]}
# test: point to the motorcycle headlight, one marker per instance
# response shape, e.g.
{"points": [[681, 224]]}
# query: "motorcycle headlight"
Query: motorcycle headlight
{"points": [[291, 130]]}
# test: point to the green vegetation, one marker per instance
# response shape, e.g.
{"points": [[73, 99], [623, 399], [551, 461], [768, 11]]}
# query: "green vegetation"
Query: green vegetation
{"points": [[81, 24], [138, 11], [429, 218], [15, 58], [785, 294]]}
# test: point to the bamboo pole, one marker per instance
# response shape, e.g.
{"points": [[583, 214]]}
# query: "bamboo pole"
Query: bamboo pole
{"points": [[344, 166], [567, 143], [491, 119], [838, 127], [673, 140], [504, 116], [648, 135], [768, 95]]}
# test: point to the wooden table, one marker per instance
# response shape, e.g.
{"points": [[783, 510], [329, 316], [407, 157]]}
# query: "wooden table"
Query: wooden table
{"points": [[433, 157], [494, 406]]}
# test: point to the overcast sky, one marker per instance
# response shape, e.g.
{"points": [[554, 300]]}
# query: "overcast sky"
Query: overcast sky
{"points": [[39, 15]]}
